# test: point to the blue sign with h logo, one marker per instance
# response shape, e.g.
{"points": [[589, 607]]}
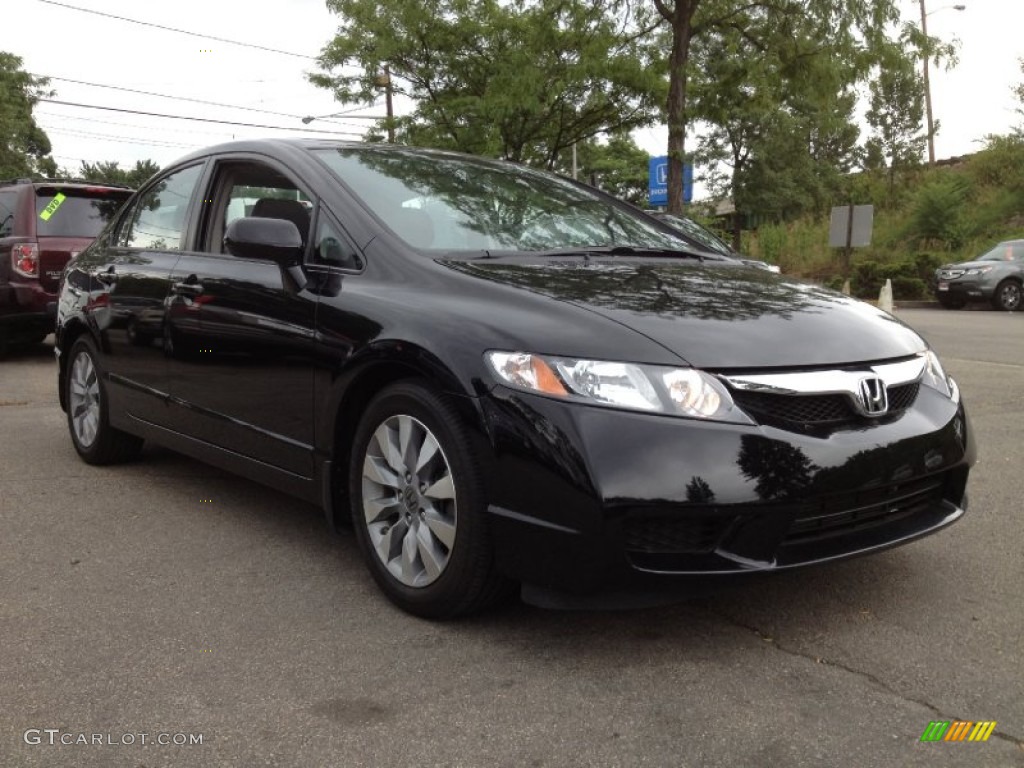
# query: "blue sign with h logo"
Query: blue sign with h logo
{"points": [[657, 181]]}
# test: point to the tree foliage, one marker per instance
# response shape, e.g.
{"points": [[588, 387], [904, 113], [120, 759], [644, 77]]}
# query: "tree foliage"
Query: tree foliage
{"points": [[110, 172], [24, 146], [895, 113], [818, 50], [523, 80], [617, 166]]}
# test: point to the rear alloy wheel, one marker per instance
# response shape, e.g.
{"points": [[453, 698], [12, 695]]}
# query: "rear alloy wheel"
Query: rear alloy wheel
{"points": [[88, 420], [1008, 296], [418, 507]]}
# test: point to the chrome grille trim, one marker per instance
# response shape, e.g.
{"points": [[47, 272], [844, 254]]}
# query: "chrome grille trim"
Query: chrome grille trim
{"points": [[830, 382]]}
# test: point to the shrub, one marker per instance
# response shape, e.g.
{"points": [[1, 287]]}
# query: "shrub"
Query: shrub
{"points": [[937, 215]]}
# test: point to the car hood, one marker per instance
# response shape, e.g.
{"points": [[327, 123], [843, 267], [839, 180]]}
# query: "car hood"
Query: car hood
{"points": [[972, 264], [714, 317]]}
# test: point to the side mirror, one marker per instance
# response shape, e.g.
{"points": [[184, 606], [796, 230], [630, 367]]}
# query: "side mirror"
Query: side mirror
{"points": [[276, 240]]}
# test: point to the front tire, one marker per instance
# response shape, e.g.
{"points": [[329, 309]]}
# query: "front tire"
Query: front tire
{"points": [[1008, 296], [89, 411], [418, 504]]}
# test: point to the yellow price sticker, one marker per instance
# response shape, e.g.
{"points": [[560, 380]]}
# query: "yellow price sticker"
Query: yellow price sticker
{"points": [[49, 210]]}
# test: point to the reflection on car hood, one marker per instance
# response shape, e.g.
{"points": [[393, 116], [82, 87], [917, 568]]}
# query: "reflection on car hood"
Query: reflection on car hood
{"points": [[716, 317]]}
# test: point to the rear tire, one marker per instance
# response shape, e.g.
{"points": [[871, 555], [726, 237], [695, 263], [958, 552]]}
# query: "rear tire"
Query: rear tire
{"points": [[1008, 296], [418, 505], [89, 411]]}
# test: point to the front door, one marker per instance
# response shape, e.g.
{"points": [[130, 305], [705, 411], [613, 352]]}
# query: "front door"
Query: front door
{"points": [[242, 367]]}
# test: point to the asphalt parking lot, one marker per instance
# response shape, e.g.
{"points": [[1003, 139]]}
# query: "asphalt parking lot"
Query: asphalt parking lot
{"points": [[166, 597]]}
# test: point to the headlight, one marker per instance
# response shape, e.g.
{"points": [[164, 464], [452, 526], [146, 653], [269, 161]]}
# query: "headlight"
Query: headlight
{"points": [[978, 270], [651, 388], [936, 378]]}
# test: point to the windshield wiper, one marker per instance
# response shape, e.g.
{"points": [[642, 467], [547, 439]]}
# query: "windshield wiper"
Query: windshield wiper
{"points": [[605, 250]]}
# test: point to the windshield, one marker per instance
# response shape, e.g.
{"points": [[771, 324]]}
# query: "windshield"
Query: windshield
{"points": [[71, 212], [454, 203], [695, 231], [1005, 252]]}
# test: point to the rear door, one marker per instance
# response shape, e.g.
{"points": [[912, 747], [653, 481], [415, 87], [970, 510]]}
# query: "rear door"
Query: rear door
{"points": [[129, 278]]}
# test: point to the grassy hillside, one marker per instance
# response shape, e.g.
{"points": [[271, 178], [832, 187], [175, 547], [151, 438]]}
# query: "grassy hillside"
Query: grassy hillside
{"points": [[923, 219]]}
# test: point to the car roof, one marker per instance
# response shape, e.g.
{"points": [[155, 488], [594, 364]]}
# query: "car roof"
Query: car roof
{"points": [[64, 184], [296, 145]]}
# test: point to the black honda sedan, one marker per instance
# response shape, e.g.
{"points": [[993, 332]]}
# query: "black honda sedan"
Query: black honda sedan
{"points": [[502, 377]]}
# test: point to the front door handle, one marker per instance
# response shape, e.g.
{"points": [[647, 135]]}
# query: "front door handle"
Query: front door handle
{"points": [[190, 286], [109, 277]]}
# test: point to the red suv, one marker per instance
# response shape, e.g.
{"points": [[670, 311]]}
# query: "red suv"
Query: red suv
{"points": [[42, 225]]}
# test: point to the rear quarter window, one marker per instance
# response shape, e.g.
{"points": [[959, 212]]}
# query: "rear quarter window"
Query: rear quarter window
{"points": [[75, 212], [8, 204]]}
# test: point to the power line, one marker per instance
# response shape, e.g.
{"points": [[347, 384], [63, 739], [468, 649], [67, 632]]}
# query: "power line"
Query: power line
{"points": [[46, 113], [200, 101], [201, 119], [180, 31], [122, 139]]}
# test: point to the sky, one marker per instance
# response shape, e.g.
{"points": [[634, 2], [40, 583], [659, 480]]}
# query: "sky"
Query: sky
{"points": [[56, 40]]}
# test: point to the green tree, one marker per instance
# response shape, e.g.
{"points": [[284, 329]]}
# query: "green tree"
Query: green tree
{"points": [[896, 114], [523, 80], [24, 146], [110, 172], [849, 31], [778, 102], [617, 166]]}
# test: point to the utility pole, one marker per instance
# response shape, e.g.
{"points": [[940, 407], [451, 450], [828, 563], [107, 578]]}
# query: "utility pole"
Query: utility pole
{"points": [[927, 83], [928, 90], [390, 109]]}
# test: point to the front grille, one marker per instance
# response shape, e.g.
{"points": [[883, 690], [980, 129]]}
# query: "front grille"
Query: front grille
{"points": [[842, 514], [816, 410], [950, 274], [799, 409], [903, 396], [678, 534]]}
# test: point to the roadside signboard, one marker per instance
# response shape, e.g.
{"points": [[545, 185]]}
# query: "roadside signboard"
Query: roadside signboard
{"points": [[657, 181]]}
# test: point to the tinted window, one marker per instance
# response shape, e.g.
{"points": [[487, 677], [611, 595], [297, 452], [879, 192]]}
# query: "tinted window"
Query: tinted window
{"points": [[252, 190], [331, 247], [67, 212], [8, 202], [158, 218], [450, 202]]}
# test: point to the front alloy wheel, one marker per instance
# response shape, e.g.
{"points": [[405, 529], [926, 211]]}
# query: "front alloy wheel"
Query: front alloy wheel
{"points": [[1008, 296], [418, 503], [409, 502]]}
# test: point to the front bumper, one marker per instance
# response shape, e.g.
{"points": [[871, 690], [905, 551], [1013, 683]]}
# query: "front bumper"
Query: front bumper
{"points": [[588, 498], [966, 288]]}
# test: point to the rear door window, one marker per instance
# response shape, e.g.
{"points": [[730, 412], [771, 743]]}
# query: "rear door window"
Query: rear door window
{"points": [[159, 218], [76, 212]]}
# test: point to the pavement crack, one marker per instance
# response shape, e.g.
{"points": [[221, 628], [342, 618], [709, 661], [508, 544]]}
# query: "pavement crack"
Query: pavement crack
{"points": [[874, 679]]}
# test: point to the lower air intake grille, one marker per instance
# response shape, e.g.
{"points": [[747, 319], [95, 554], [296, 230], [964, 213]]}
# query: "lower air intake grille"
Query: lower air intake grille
{"points": [[674, 535]]}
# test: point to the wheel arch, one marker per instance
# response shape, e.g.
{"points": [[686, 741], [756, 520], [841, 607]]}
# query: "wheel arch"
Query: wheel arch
{"points": [[68, 333], [380, 366]]}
